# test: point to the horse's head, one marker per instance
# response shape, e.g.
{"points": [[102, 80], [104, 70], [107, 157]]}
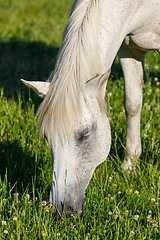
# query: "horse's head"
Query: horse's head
{"points": [[75, 160]]}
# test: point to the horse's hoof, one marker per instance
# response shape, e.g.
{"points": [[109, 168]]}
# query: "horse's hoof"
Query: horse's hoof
{"points": [[128, 166]]}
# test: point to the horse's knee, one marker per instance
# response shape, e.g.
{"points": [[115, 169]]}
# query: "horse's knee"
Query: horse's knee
{"points": [[132, 108]]}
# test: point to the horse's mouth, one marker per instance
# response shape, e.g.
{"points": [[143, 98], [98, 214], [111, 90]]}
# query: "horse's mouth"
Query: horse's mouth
{"points": [[67, 211]]}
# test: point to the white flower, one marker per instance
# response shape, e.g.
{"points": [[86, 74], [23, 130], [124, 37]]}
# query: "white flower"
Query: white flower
{"points": [[119, 192], [153, 200], [4, 223], [15, 219], [136, 217], [28, 196], [156, 67], [44, 203], [149, 91], [5, 231], [58, 234], [15, 194], [149, 217], [148, 125], [35, 199], [110, 179], [110, 94], [132, 233], [136, 192]]}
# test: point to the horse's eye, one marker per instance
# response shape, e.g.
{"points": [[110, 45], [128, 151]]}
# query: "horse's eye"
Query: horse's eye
{"points": [[84, 136]]}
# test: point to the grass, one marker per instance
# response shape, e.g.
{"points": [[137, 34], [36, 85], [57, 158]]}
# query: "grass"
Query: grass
{"points": [[118, 205]]}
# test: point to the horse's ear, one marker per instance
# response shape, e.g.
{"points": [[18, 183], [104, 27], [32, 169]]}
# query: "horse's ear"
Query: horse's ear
{"points": [[98, 84], [41, 88]]}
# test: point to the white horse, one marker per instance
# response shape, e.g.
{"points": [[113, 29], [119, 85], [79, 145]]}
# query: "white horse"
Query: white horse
{"points": [[72, 114]]}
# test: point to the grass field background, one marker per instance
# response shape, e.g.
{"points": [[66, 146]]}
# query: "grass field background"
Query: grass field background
{"points": [[118, 205]]}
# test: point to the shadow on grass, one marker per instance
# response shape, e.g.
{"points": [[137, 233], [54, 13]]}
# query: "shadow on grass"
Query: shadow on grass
{"points": [[22, 59], [18, 164]]}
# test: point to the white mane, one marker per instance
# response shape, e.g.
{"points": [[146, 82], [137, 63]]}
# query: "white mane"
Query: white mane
{"points": [[78, 61]]}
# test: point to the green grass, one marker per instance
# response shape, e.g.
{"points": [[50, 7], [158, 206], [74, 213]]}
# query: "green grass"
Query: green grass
{"points": [[118, 205]]}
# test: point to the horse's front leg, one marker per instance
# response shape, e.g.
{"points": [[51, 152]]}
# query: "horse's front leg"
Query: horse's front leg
{"points": [[132, 65]]}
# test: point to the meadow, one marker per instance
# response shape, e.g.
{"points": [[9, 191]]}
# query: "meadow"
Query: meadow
{"points": [[118, 205]]}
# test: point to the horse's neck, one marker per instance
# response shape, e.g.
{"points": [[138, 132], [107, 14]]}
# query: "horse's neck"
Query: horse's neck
{"points": [[115, 21]]}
